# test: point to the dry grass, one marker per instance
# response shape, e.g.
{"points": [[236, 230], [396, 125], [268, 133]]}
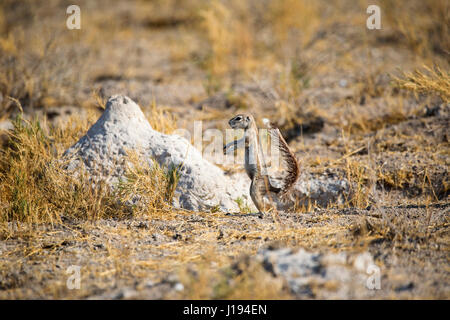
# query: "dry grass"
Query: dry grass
{"points": [[239, 281], [430, 81], [425, 33], [38, 72], [161, 120], [235, 30], [36, 188]]}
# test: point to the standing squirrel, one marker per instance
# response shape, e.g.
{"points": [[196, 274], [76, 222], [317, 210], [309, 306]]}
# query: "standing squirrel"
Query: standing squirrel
{"points": [[254, 161]]}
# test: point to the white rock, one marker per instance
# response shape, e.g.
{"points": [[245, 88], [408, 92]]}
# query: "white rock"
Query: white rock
{"points": [[321, 190], [304, 270], [123, 127], [178, 286]]}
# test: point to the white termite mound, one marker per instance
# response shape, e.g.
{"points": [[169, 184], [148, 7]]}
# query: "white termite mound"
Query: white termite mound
{"points": [[122, 127]]}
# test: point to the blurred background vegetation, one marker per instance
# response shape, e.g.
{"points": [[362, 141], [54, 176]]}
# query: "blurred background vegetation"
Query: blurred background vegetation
{"points": [[296, 44]]}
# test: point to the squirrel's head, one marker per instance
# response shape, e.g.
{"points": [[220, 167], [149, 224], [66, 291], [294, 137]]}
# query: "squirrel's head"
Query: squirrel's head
{"points": [[241, 121]]}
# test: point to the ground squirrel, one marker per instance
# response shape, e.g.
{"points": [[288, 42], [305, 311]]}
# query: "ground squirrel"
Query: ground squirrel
{"points": [[254, 161]]}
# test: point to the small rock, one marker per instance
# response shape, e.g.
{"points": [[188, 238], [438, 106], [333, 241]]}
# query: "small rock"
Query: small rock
{"points": [[304, 271], [178, 286], [343, 83]]}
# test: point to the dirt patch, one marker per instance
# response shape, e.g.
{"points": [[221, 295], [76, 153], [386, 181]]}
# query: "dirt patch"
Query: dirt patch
{"points": [[149, 258]]}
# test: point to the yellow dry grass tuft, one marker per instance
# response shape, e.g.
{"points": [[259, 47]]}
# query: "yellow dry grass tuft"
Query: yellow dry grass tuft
{"points": [[161, 119], [430, 81], [36, 188]]}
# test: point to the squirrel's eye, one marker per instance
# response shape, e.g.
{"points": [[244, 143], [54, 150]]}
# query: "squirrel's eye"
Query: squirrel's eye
{"points": [[239, 118]]}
